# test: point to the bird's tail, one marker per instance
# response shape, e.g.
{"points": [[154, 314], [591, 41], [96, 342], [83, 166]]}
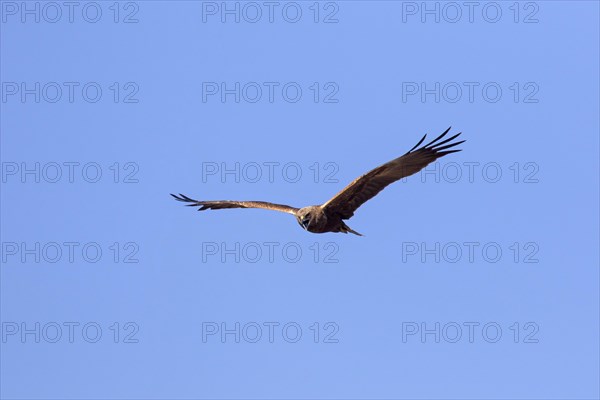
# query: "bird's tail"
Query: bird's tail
{"points": [[345, 229]]}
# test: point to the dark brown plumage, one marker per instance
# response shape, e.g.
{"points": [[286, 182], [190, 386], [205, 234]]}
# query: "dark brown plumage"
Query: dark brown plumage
{"points": [[329, 217]]}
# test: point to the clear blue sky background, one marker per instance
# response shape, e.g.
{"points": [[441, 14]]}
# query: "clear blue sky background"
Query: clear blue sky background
{"points": [[379, 291]]}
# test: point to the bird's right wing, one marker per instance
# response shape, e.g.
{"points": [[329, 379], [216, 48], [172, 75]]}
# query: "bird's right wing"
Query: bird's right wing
{"points": [[370, 184], [221, 204]]}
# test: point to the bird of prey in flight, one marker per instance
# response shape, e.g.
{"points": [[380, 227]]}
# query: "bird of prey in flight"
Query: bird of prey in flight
{"points": [[330, 216]]}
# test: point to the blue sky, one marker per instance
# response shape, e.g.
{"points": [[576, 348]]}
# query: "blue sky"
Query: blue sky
{"points": [[477, 278]]}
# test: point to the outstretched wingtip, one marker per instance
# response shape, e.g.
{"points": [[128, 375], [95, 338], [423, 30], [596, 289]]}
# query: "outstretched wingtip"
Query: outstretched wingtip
{"points": [[184, 198], [417, 145], [177, 197], [437, 138]]}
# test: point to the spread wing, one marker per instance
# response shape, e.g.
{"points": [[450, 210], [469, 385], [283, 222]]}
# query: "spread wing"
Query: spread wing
{"points": [[221, 204], [368, 185]]}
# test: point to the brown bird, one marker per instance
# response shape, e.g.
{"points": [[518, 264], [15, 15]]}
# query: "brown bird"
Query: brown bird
{"points": [[329, 217]]}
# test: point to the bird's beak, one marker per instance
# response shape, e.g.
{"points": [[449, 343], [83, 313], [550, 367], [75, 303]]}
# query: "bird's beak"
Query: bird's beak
{"points": [[305, 223]]}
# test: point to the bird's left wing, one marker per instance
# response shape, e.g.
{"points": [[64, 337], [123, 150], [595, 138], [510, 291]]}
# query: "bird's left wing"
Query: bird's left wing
{"points": [[221, 204], [368, 185]]}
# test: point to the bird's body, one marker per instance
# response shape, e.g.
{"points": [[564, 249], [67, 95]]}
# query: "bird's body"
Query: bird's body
{"points": [[316, 219], [330, 216]]}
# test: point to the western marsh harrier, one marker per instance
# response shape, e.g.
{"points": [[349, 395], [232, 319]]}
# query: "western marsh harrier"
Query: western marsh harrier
{"points": [[328, 217]]}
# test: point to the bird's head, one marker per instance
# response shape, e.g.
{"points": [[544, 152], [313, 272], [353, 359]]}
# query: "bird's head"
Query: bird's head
{"points": [[304, 220], [306, 217]]}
